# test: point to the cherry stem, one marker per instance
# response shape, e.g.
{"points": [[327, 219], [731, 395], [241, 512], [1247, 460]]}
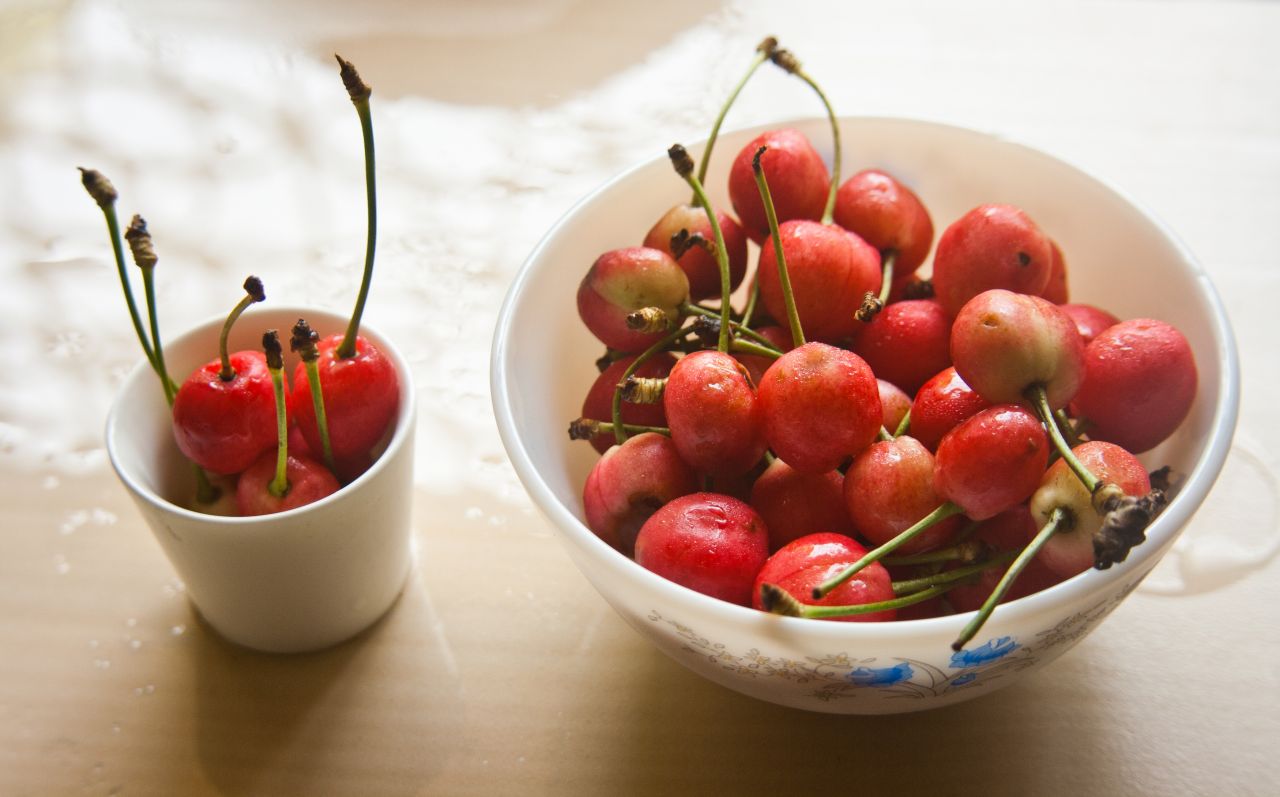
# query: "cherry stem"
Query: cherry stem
{"points": [[951, 577], [144, 255], [589, 428], [784, 276], [253, 293], [684, 167], [964, 551], [737, 326], [1028, 553], [883, 435], [904, 425], [753, 299], [1067, 428], [935, 517], [747, 347], [778, 601], [1041, 401], [359, 93], [763, 50], [303, 342], [275, 365], [619, 432], [872, 304], [788, 61], [206, 493]]}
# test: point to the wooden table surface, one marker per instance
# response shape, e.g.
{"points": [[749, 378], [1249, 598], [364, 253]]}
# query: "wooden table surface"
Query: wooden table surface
{"points": [[500, 670]]}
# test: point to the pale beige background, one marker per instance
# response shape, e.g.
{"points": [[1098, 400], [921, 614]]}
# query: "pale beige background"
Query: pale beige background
{"points": [[500, 671]]}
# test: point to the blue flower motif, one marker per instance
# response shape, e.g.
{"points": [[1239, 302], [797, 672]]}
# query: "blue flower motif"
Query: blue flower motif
{"points": [[964, 679], [881, 676], [992, 650]]}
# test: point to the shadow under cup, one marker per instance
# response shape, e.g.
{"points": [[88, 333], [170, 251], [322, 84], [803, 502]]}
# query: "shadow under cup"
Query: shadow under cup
{"points": [[296, 581]]}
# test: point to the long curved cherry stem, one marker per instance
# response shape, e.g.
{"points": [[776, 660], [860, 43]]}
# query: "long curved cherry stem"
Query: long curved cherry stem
{"points": [[753, 299], [359, 92], [784, 276], [253, 293], [279, 485], [684, 167], [1041, 402], [787, 60], [951, 577], [778, 601], [763, 50], [935, 517], [303, 341], [1028, 553], [144, 255], [589, 428], [619, 430]]}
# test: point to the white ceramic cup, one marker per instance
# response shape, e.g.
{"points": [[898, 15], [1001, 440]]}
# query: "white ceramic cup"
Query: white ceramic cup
{"points": [[296, 581]]}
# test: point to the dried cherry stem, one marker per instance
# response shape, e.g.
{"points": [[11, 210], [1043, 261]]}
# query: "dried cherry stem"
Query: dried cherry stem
{"points": [[951, 577], [144, 255], [359, 93], [619, 430], [253, 293], [935, 517], [904, 425], [789, 63], [684, 167], [104, 193], [1040, 400], [763, 50], [279, 485], [303, 341], [776, 600], [871, 303], [784, 277], [588, 428], [1057, 518]]}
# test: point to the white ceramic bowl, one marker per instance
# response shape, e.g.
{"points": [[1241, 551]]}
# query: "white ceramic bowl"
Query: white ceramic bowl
{"points": [[1119, 258]]}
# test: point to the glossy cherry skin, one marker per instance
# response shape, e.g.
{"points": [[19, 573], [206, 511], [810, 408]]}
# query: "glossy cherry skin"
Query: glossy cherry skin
{"points": [[830, 270], [631, 482], [992, 462], [887, 215], [941, 404], [820, 405], [907, 342], [1139, 383], [798, 181], [1070, 550], [795, 504], [1010, 530], [1090, 321], [707, 542], [805, 563], [714, 415], [622, 281], [224, 426], [700, 265], [309, 481], [598, 405], [991, 246], [889, 487], [361, 397], [1003, 342]]}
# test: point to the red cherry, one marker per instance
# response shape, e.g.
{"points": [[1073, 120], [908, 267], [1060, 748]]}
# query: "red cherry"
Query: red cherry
{"points": [[598, 405], [894, 403], [798, 181], [803, 564], [714, 416], [795, 504], [820, 405], [941, 404], [699, 263], [631, 482], [361, 397], [623, 281], [991, 246], [907, 342], [223, 426], [1139, 383], [889, 488], [1056, 289], [309, 481], [1089, 320], [887, 215], [992, 462], [710, 543]]}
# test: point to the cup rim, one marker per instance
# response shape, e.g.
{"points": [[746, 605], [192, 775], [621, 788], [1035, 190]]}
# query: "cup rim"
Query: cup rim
{"points": [[405, 417], [1161, 532]]}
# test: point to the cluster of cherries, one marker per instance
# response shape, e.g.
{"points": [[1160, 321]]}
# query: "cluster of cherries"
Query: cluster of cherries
{"points": [[858, 442], [279, 446]]}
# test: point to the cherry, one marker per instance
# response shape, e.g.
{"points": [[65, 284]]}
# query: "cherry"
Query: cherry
{"points": [[991, 246], [697, 259], [1005, 343], [1056, 290], [941, 404], [895, 404], [992, 461], [802, 564], [797, 175], [224, 413], [1089, 320], [713, 413], [280, 481], [710, 543], [622, 281], [907, 342], [795, 504], [1139, 383], [631, 482], [889, 488], [1071, 549], [598, 404]]}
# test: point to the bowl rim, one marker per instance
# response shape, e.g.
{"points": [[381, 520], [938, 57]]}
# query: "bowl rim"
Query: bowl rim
{"points": [[1162, 531]]}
